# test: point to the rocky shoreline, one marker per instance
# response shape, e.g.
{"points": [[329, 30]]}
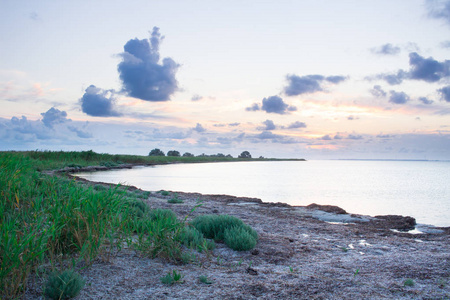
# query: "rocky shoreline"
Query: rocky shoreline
{"points": [[315, 252]]}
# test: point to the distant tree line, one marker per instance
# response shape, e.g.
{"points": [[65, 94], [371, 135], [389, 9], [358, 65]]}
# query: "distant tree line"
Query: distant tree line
{"points": [[158, 152]]}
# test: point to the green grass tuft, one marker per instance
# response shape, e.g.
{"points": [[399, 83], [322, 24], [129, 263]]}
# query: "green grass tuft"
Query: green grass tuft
{"points": [[63, 285], [216, 227]]}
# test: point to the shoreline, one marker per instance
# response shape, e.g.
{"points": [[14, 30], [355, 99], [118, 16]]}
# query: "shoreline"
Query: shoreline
{"points": [[297, 256], [408, 224]]}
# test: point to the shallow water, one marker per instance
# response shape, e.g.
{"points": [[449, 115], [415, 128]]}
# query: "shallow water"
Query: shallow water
{"points": [[416, 188]]}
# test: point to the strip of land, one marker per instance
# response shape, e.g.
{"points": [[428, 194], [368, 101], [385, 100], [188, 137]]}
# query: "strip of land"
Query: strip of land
{"points": [[315, 252]]}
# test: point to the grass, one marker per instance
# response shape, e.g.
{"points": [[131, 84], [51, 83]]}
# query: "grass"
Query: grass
{"points": [[50, 220], [175, 199], [172, 278]]}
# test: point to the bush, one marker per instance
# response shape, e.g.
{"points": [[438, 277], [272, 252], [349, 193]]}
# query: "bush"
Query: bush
{"points": [[216, 226], [160, 213], [239, 239], [175, 200], [63, 285], [194, 239]]}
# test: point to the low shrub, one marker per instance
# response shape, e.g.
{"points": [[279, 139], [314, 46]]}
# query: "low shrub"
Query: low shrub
{"points": [[239, 239], [216, 226], [175, 200], [160, 213], [63, 285], [194, 239]]}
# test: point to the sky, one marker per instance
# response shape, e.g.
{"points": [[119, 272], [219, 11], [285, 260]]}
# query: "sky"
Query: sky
{"points": [[289, 79]]}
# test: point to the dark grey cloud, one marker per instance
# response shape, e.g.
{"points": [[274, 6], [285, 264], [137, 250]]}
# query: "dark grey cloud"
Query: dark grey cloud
{"points": [[199, 128], [439, 9], [425, 100], [269, 125], [378, 92], [445, 93], [296, 124], [98, 102], [142, 74], [398, 97], [421, 68], [54, 116], [298, 85], [427, 69], [234, 124], [275, 104], [386, 49], [326, 137]]}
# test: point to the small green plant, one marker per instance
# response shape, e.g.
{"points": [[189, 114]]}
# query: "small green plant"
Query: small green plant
{"points": [[291, 269], [172, 278], [344, 249], [239, 239], [175, 200], [356, 273], [63, 285], [408, 282], [233, 231], [165, 193], [204, 279]]}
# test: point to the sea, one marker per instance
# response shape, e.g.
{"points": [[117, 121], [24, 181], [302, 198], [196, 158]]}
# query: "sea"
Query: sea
{"points": [[420, 189]]}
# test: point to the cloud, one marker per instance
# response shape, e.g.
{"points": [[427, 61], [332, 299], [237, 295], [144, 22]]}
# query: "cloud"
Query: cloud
{"points": [[445, 93], [445, 44], [268, 135], [354, 137], [351, 118], [79, 132], [98, 102], [296, 125], [398, 97], [199, 128], [386, 49], [298, 85], [234, 124], [253, 107], [275, 104], [439, 9], [269, 125], [326, 138], [54, 116], [142, 74], [427, 69], [34, 16], [196, 97], [385, 136], [378, 92], [425, 100]]}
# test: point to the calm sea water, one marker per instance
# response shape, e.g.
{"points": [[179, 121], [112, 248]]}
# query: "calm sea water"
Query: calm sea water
{"points": [[415, 188]]}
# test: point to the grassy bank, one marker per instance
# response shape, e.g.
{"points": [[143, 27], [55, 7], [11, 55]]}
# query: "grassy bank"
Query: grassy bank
{"points": [[50, 223]]}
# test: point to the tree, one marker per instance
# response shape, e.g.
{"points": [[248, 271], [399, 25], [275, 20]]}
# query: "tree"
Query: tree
{"points": [[188, 154], [156, 152], [245, 154], [173, 153]]}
